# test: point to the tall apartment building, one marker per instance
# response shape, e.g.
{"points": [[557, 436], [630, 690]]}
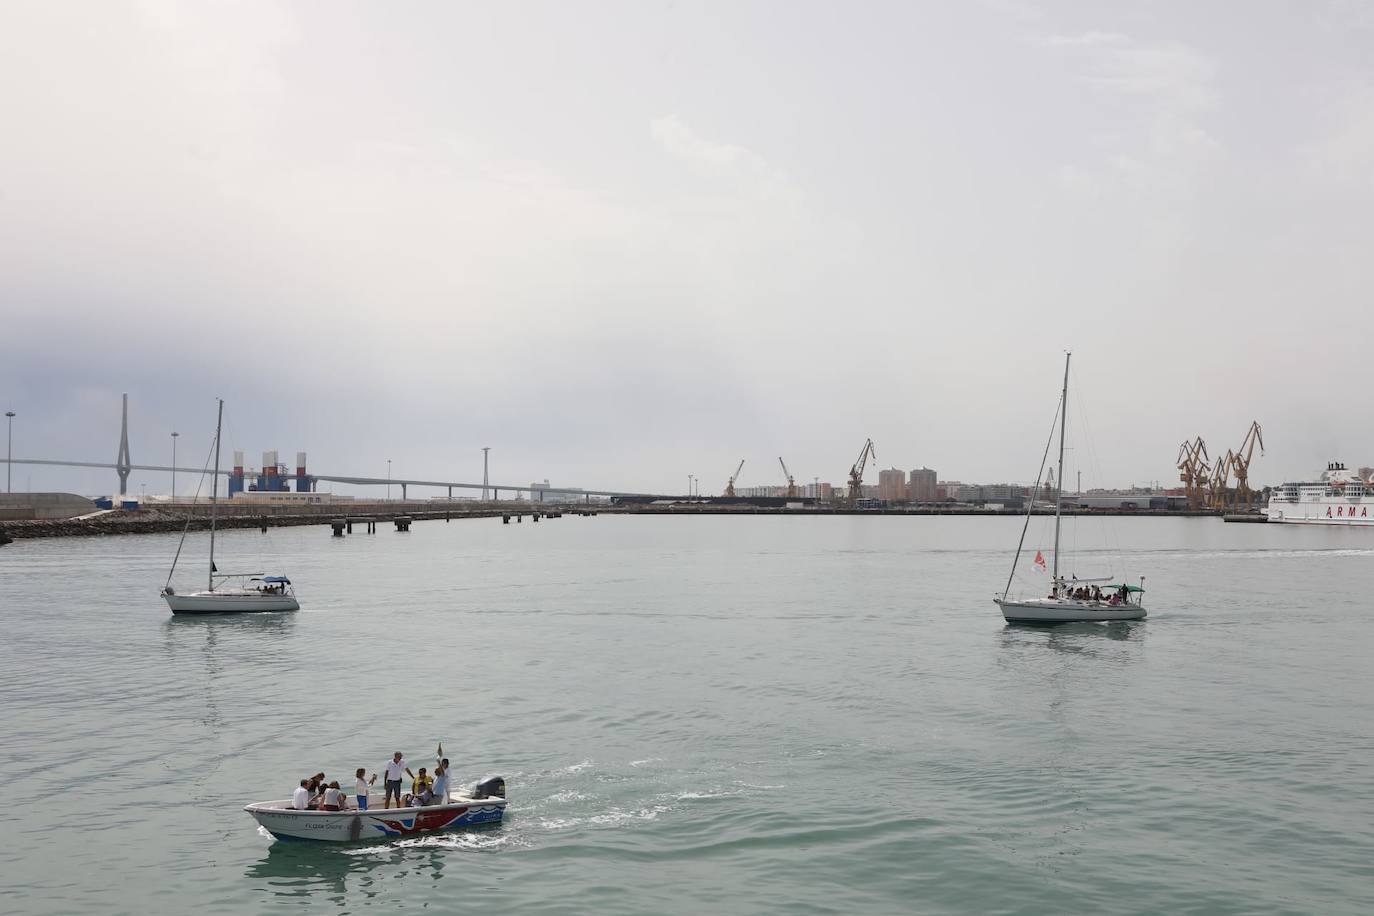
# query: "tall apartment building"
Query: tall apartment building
{"points": [[892, 485], [922, 487]]}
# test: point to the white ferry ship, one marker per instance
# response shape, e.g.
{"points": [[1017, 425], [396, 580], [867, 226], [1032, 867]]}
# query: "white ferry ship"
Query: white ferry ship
{"points": [[1340, 497]]}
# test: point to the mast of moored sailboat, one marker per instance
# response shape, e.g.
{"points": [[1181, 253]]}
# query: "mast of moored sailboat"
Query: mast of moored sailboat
{"points": [[215, 486], [1059, 477]]}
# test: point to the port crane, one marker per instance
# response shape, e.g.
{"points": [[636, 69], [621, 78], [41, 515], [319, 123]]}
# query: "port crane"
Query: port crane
{"points": [[1220, 478], [791, 484], [856, 473], [730, 486], [1193, 466], [1241, 464]]}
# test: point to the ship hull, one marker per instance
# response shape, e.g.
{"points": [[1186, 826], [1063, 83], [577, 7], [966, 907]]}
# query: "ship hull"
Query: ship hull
{"points": [[1066, 610], [1344, 513]]}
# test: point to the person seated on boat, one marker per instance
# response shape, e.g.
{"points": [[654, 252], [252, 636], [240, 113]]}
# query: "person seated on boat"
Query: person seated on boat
{"points": [[301, 797], [333, 798], [316, 785], [422, 790], [1115, 600]]}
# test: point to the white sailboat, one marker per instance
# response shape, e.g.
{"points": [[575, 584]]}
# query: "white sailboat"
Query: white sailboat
{"points": [[1070, 600], [229, 592]]}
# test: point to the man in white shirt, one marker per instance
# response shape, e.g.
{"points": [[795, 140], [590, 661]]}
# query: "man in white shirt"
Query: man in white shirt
{"points": [[392, 778], [301, 797]]}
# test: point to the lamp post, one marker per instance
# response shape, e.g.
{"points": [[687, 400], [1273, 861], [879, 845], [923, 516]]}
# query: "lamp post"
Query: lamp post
{"points": [[388, 479], [9, 450], [175, 434]]}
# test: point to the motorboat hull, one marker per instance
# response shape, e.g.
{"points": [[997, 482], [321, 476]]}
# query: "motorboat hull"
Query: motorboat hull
{"points": [[229, 603], [1066, 610], [375, 823]]}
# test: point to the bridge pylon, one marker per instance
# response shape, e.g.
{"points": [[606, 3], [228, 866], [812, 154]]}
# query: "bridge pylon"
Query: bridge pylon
{"points": [[123, 464]]}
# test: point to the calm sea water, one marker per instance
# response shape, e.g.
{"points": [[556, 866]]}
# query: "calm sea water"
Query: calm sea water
{"points": [[726, 715]]}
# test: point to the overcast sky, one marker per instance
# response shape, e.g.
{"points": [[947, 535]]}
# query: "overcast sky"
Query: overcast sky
{"points": [[621, 243]]}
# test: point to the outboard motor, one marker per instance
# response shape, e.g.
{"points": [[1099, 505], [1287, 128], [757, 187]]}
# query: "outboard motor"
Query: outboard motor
{"points": [[490, 787]]}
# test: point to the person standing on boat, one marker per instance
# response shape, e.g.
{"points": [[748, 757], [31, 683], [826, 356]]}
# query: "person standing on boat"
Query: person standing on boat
{"points": [[361, 786], [441, 783], [392, 778]]}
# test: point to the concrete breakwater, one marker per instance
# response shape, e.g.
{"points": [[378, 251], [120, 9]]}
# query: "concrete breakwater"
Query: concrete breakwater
{"points": [[156, 521], [152, 521]]}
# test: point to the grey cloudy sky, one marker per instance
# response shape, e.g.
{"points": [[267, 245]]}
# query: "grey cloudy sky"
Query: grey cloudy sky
{"points": [[625, 242]]}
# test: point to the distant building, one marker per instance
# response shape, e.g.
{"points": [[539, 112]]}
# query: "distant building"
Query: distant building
{"points": [[819, 491], [542, 493], [892, 485], [1134, 498], [286, 497], [1004, 492], [922, 488], [967, 493]]}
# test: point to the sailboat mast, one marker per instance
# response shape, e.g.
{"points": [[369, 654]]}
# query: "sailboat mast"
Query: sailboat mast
{"points": [[1059, 477], [215, 488]]}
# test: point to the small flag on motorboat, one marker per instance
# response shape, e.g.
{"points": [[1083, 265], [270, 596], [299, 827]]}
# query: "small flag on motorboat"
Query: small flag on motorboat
{"points": [[1040, 561]]}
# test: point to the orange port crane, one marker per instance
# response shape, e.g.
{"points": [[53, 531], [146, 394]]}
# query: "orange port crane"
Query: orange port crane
{"points": [[856, 473], [730, 486], [1218, 482], [791, 484], [1193, 465], [1241, 463]]}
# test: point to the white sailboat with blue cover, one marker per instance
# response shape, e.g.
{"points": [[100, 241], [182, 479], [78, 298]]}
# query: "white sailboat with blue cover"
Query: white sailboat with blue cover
{"points": [[1070, 599], [228, 593]]}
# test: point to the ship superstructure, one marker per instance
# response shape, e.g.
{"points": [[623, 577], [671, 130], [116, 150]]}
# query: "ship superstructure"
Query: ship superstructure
{"points": [[1339, 497]]}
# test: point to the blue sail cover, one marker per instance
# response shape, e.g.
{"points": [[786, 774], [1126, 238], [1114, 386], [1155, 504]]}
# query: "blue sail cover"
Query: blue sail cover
{"points": [[276, 579]]}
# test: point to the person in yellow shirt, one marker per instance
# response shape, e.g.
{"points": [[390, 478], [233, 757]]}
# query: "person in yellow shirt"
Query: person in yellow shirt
{"points": [[421, 791]]}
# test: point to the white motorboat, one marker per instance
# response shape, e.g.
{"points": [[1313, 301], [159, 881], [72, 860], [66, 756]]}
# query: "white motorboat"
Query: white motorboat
{"points": [[1070, 600], [228, 593], [485, 805]]}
